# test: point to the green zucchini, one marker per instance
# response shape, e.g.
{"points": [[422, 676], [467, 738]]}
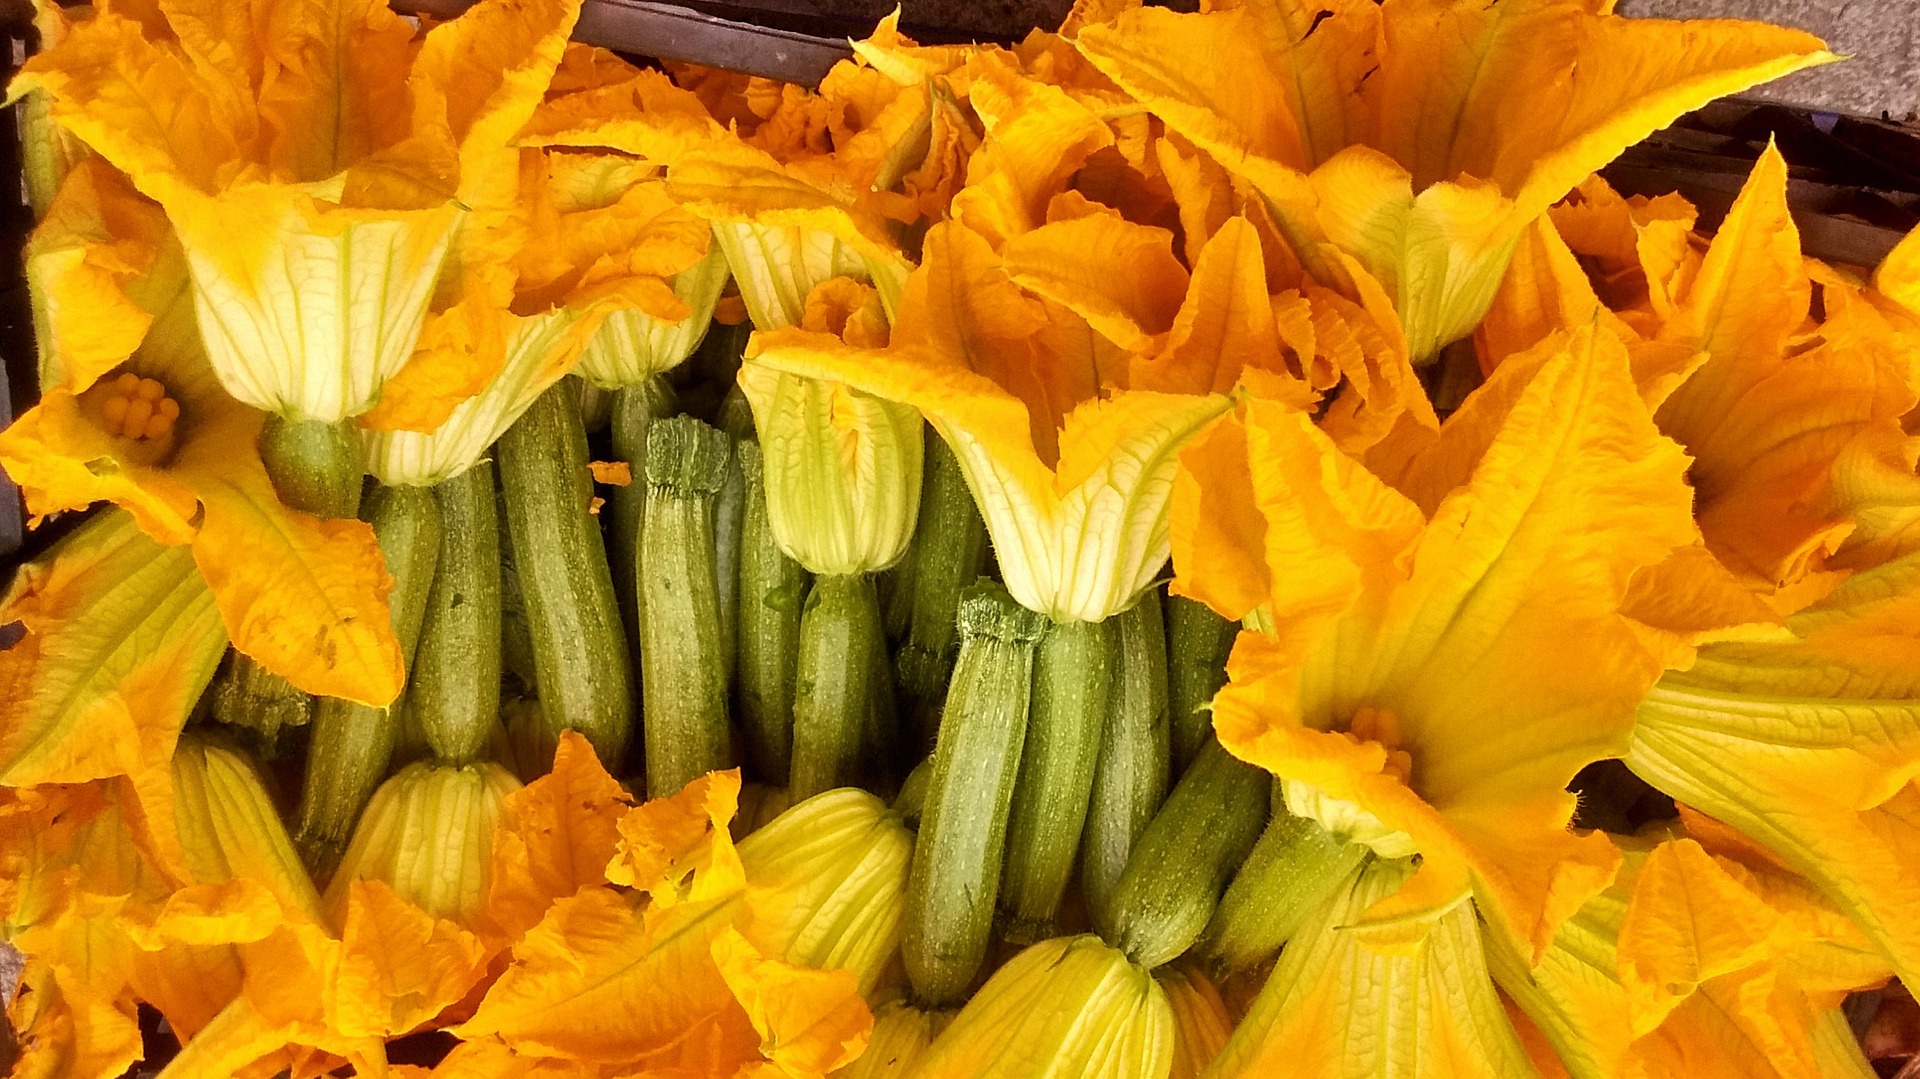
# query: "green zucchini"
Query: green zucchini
{"points": [[772, 589], [455, 696], [1073, 682], [1198, 641], [682, 672], [1130, 780], [353, 743], [579, 651], [1175, 875], [963, 822]]}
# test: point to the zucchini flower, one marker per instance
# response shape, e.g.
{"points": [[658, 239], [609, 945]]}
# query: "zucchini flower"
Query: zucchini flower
{"points": [[1072, 482], [590, 235], [1459, 743], [46, 151], [633, 344], [1786, 382], [154, 432], [1336, 1005], [428, 832], [122, 637], [315, 200], [827, 885], [692, 962], [1635, 985], [1807, 747], [1201, 1022], [1065, 1007], [1397, 166], [802, 187], [901, 1034], [842, 467]]}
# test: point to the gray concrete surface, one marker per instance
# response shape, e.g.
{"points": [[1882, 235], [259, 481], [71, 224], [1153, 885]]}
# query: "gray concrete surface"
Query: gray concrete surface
{"points": [[1881, 37]]}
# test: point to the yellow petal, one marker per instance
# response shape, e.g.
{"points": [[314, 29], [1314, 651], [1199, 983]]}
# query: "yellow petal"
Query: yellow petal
{"points": [[1067, 1006], [598, 981], [1767, 414], [1226, 322], [1201, 1022], [1510, 116], [632, 345], [1690, 919], [398, 965], [783, 236], [278, 342], [555, 836], [1898, 275], [810, 1022], [1037, 136], [666, 840], [1332, 1006], [540, 350], [303, 596], [828, 886], [122, 636], [1735, 738], [428, 832], [1553, 463], [643, 114], [842, 469], [1073, 263], [1215, 530], [101, 264]]}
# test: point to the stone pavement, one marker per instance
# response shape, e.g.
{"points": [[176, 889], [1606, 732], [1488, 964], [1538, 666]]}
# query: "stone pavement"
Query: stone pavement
{"points": [[1882, 37]]}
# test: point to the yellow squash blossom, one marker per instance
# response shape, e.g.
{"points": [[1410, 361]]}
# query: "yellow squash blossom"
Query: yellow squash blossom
{"points": [[843, 467], [1336, 1006], [139, 891], [428, 832], [122, 637], [158, 436], [1072, 483], [633, 343], [1809, 748], [1069, 1007], [1638, 983], [1777, 400], [796, 200], [313, 160], [1408, 691], [680, 974], [1419, 137], [591, 237]]}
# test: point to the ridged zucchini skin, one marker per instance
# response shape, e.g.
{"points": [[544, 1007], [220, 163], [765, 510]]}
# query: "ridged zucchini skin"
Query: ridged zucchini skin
{"points": [[455, 694], [579, 649], [1186, 856], [963, 820]]}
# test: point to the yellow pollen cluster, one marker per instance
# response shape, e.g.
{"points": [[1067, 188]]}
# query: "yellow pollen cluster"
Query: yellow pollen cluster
{"points": [[1380, 725], [139, 408]]}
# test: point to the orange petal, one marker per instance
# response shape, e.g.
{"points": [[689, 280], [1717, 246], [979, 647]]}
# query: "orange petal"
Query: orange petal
{"points": [[555, 836], [303, 596]]}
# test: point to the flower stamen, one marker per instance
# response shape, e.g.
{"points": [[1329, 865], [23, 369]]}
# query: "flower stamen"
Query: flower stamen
{"points": [[138, 408]]}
